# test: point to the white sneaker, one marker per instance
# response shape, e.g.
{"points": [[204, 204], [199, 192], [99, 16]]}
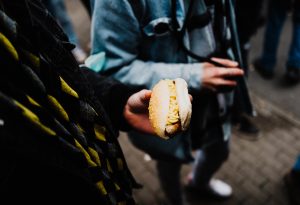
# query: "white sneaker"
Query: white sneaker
{"points": [[79, 54], [220, 188], [216, 189]]}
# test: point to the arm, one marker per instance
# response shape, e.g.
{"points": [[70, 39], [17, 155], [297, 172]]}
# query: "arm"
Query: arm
{"points": [[126, 108], [112, 94], [119, 35]]}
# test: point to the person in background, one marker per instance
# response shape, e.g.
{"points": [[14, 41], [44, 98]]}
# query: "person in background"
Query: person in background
{"points": [[145, 41], [59, 122], [58, 9], [265, 64], [292, 182], [248, 18]]}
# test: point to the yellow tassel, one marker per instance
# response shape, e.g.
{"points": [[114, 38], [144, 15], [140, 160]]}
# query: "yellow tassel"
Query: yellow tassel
{"points": [[34, 119], [9, 46], [99, 132], [108, 166], [86, 154], [94, 154], [32, 101], [101, 187], [58, 107], [35, 60], [117, 187], [67, 89]]}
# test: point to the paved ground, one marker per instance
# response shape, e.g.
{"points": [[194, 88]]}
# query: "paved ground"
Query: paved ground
{"points": [[276, 90], [255, 168]]}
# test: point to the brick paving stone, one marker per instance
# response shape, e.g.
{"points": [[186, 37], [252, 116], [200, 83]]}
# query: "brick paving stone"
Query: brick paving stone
{"points": [[285, 159], [295, 132], [255, 177], [254, 191]]}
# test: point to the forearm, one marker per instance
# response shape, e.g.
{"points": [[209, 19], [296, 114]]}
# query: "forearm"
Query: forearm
{"points": [[122, 48], [147, 74], [112, 94]]}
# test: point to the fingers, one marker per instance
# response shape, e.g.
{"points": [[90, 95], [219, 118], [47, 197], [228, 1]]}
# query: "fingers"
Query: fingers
{"points": [[219, 84], [145, 96], [225, 62], [229, 72], [215, 78], [139, 101], [223, 82]]}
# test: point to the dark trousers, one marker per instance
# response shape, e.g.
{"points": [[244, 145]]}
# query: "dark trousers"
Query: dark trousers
{"points": [[208, 160]]}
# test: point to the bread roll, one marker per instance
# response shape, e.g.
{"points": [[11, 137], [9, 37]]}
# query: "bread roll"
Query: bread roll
{"points": [[170, 107]]}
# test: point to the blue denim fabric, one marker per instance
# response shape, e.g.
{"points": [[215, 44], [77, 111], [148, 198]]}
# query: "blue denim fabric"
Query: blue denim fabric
{"points": [[131, 42], [276, 17], [296, 166], [58, 9]]}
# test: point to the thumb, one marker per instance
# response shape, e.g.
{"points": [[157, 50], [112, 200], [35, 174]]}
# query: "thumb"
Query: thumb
{"points": [[139, 100]]}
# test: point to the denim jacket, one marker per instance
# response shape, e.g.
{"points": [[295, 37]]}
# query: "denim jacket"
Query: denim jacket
{"points": [[138, 39], [141, 48]]}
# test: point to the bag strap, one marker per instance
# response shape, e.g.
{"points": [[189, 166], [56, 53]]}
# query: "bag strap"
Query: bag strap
{"points": [[136, 8]]}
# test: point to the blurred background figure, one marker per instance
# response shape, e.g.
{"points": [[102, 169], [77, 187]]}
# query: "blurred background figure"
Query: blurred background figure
{"points": [[277, 12], [59, 11], [292, 182], [248, 18]]}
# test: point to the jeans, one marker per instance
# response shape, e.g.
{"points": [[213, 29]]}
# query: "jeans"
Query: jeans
{"points": [[58, 9], [278, 10], [208, 160], [296, 166]]}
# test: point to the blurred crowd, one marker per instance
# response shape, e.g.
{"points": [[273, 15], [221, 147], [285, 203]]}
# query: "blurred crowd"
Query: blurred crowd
{"points": [[69, 101]]}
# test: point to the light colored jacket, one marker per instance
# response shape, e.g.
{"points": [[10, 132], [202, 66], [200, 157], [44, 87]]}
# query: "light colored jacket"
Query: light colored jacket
{"points": [[128, 35]]}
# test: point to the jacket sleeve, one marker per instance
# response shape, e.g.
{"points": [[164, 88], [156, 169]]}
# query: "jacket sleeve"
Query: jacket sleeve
{"points": [[112, 94], [119, 36]]}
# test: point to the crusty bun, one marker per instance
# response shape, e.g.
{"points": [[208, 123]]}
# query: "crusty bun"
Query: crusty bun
{"points": [[170, 107]]}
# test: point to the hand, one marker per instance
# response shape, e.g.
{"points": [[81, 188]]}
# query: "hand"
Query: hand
{"points": [[136, 111], [214, 78]]}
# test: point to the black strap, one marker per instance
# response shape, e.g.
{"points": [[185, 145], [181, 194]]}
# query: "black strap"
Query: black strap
{"points": [[199, 21], [136, 8], [210, 2], [174, 16], [205, 20]]}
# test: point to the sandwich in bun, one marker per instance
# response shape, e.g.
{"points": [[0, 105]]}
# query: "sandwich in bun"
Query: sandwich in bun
{"points": [[170, 107]]}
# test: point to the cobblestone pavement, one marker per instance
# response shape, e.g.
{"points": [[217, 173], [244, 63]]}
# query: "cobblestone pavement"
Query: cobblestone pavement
{"points": [[255, 169]]}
